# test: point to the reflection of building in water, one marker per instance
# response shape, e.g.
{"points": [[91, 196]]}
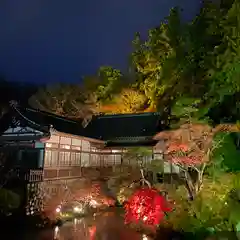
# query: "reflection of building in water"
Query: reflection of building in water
{"points": [[108, 227], [79, 229], [54, 156], [56, 232], [145, 237]]}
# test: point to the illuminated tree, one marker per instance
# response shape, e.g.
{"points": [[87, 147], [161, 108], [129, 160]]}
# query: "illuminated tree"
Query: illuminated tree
{"points": [[62, 99], [156, 61], [146, 206], [85, 195], [127, 101], [190, 147], [65, 100]]}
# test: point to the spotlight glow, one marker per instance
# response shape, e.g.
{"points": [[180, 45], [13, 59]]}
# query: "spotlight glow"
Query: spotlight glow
{"points": [[144, 237], [93, 203], [58, 209], [77, 209]]}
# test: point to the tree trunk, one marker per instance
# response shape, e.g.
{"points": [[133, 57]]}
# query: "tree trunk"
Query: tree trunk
{"points": [[143, 179], [193, 185]]}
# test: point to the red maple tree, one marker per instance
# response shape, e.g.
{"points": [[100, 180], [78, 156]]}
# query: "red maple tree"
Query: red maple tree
{"points": [[146, 206], [190, 147]]}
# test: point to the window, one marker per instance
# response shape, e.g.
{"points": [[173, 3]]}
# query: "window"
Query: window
{"points": [[78, 148], [54, 158], [158, 156], [167, 167], [93, 149], [48, 145], [85, 146], [64, 159], [51, 158], [76, 142], [95, 160], [175, 168], [51, 145], [47, 159], [75, 159], [118, 159], [78, 159], [85, 159], [65, 140], [108, 160], [65, 146]]}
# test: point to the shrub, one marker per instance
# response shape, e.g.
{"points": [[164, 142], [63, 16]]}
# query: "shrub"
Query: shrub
{"points": [[9, 200], [214, 208]]}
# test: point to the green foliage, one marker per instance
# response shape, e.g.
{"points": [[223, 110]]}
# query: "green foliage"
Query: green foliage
{"points": [[197, 62], [131, 101], [110, 82], [148, 57], [210, 209], [226, 157], [224, 70], [185, 70], [185, 108], [155, 166], [8, 200], [124, 194], [139, 151], [127, 101]]}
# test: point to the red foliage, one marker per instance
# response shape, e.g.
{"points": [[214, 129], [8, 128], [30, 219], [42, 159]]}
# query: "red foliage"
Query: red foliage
{"points": [[187, 160], [182, 154], [177, 148], [92, 232], [148, 206], [96, 190]]}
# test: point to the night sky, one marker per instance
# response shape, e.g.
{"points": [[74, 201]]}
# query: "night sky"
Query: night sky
{"points": [[62, 40]]}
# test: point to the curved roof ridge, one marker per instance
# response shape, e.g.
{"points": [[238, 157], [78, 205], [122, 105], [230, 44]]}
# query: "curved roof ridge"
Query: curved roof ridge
{"points": [[127, 114], [15, 105], [52, 115]]}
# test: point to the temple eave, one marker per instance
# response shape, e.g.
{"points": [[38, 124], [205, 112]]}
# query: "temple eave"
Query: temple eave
{"points": [[130, 143]]}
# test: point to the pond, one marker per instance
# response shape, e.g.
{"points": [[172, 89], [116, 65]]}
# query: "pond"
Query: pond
{"points": [[105, 226]]}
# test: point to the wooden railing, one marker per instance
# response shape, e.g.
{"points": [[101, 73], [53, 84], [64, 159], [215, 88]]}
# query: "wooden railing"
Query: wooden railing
{"points": [[34, 176], [88, 172]]}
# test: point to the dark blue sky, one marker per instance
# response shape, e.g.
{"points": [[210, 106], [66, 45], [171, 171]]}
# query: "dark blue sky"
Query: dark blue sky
{"points": [[61, 40]]}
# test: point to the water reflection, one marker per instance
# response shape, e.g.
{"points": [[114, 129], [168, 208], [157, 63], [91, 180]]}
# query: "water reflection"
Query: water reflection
{"points": [[103, 227], [77, 229], [107, 226]]}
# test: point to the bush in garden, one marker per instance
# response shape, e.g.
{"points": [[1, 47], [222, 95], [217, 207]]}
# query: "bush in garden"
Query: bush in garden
{"points": [[124, 194], [214, 208], [146, 206], [9, 200]]}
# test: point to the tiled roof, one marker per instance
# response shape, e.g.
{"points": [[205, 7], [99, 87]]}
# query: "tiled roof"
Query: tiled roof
{"points": [[59, 123], [117, 128], [122, 127]]}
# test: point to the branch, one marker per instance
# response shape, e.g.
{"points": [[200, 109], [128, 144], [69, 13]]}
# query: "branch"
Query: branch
{"points": [[203, 168], [196, 169], [210, 151], [189, 184], [144, 180]]}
